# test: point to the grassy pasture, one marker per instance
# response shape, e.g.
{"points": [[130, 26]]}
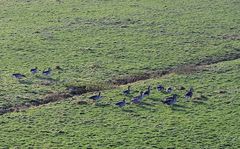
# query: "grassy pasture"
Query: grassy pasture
{"points": [[209, 120], [95, 41]]}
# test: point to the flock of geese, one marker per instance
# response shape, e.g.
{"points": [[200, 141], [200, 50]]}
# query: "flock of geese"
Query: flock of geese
{"points": [[135, 100], [33, 71]]}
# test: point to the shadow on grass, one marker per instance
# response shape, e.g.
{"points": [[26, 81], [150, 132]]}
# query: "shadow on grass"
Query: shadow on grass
{"points": [[126, 96], [199, 102], [154, 99], [178, 107], [27, 82], [128, 110], [103, 105], [145, 106], [46, 78]]}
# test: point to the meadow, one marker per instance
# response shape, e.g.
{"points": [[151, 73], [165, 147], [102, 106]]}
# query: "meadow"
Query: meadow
{"points": [[99, 42], [209, 120]]}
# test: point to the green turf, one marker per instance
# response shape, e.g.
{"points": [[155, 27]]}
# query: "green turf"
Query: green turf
{"points": [[95, 41], [209, 120]]}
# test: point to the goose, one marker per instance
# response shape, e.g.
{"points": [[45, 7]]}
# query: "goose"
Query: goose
{"points": [[169, 90], [18, 75], [147, 92], [34, 70], [160, 88], [138, 98], [96, 97], [47, 72], [170, 100], [189, 93], [126, 92], [121, 103]]}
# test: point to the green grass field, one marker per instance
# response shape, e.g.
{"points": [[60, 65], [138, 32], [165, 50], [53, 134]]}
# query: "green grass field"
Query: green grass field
{"points": [[98, 41], [210, 120]]}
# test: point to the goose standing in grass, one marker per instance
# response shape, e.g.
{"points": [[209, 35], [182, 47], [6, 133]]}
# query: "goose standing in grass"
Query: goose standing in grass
{"points": [[47, 72], [189, 94], [138, 98], [127, 92], [121, 103], [96, 97], [169, 90], [171, 100], [18, 76], [34, 70], [147, 92], [160, 88]]}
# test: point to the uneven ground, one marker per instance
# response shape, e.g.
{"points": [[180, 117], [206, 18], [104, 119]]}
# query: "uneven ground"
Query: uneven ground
{"points": [[210, 120], [102, 44]]}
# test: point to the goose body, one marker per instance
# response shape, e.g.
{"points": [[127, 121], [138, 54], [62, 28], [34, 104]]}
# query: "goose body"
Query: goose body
{"points": [[127, 92], [34, 70], [189, 94], [147, 92], [121, 103], [160, 88], [138, 98], [171, 100], [18, 75], [169, 90], [47, 72], [96, 97]]}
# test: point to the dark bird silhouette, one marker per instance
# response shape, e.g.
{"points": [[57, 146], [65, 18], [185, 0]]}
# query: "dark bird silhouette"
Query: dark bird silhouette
{"points": [[169, 90], [147, 92], [138, 98], [96, 97], [189, 94], [127, 92], [160, 88], [121, 103], [18, 76], [170, 100], [34, 70], [47, 72]]}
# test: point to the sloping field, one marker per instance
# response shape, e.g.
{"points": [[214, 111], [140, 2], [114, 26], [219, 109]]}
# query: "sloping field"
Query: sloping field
{"points": [[97, 41], [209, 120], [107, 45]]}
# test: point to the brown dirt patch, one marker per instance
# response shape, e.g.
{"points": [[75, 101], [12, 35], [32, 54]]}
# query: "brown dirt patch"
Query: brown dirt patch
{"points": [[56, 97], [231, 37], [52, 97]]}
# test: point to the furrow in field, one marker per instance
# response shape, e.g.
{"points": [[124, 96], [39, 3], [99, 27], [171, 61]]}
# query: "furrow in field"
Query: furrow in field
{"points": [[182, 69]]}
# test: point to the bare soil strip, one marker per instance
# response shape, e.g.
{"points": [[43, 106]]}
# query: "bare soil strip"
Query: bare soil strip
{"points": [[181, 69], [79, 90]]}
